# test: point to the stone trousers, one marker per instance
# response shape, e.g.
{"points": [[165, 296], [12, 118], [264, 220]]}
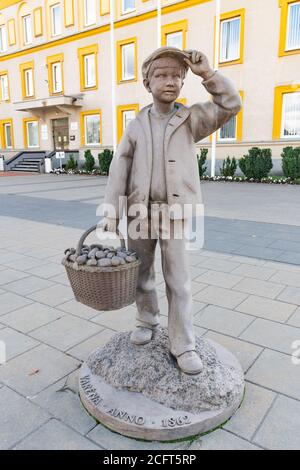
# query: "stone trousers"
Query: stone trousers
{"points": [[178, 284]]}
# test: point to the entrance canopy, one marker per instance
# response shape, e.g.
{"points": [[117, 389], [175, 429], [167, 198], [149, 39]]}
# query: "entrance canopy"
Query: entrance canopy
{"points": [[60, 103]]}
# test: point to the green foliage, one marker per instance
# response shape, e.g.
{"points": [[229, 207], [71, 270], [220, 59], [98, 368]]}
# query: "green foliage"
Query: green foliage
{"points": [[89, 161], [229, 167], [201, 161], [72, 164], [257, 163], [291, 162], [105, 159]]}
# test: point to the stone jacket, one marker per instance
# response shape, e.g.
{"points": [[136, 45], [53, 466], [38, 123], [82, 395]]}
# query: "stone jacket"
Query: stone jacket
{"points": [[131, 166]]}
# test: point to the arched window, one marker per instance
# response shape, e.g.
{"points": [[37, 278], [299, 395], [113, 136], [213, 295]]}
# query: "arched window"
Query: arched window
{"points": [[25, 24], [3, 34]]}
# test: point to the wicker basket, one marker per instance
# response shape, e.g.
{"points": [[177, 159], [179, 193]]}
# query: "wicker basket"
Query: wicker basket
{"points": [[103, 288]]}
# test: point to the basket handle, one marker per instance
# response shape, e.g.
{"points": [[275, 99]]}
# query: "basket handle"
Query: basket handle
{"points": [[90, 230]]}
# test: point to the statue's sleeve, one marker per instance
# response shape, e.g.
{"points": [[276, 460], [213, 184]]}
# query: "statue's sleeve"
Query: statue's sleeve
{"points": [[206, 118], [119, 171]]}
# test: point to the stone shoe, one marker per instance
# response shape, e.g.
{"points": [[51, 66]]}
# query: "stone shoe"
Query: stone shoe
{"points": [[189, 362], [141, 335]]}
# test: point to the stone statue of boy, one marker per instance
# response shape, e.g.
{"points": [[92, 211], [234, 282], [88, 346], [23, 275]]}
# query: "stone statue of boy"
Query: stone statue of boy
{"points": [[156, 163]]}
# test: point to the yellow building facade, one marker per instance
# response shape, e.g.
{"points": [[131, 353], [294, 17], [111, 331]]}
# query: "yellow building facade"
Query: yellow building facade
{"points": [[55, 69]]}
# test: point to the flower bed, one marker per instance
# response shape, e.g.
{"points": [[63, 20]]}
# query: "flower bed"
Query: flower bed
{"points": [[243, 179]]}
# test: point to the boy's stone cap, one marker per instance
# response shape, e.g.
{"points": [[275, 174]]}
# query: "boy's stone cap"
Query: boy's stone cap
{"points": [[165, 51]]}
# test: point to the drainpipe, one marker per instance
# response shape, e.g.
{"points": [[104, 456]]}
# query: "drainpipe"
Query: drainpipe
{"points": [[158, 23], [113, 73], [216, 66]]}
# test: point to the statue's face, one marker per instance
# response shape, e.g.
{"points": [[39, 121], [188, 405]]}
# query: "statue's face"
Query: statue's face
{"points": [[165, 80]]}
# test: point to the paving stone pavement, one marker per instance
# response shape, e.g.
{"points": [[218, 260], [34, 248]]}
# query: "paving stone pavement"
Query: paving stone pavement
{"points": [[249, 304]]}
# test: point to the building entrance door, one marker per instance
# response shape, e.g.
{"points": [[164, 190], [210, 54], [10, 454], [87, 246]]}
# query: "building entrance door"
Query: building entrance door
{"points": [[60, 131]]}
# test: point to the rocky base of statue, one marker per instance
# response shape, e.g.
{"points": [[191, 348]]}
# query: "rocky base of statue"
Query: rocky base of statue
{"points": [[139, 391]]}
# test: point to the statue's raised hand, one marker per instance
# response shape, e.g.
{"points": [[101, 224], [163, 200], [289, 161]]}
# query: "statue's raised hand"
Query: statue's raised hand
{"points": [[198, 63]]}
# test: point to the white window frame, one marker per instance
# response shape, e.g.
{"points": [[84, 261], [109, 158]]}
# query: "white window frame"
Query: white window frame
{"points": [[27, 29], [4, 87], [127, 10], [130, 45], [54, 30], [224, 60], [175, 33], [282, 136], [290, 6], [27, 131], [86, 70], [28, 81], [6, 126], [229, 139], [3, 38], [89, 4], [56, 71], [86, 127], [124, 117]]}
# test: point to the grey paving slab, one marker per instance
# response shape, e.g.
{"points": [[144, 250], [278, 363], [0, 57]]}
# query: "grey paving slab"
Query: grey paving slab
{"points": [[79, 310], [277, 372], [245, 352], [10, 301], [53, 296], [31, 317], [281, 428], [81, 351], [23, 264], [257, 272], [222, 320], [47, 271], [221, 440], [258, 287], [55, 435], [272, 335], [291, 295], [219, 279], [198, 306], [123, 319], [294, 320], [223, 265], [19, 417], [248, 260], [219, 296], [28, 285], [36, 369], [257, 252], [280, 266], [267, 308], [113, 441], [65, 332], [16, 343], [256, 404], [43, 253], [61, 279], [286, 245], [289, 257], [10, 275], [9, 256], [64, 404], [288, 278]]}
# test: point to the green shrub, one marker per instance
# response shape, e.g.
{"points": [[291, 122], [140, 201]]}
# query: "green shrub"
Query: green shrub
{"points": [[257, 163], [291, 162], [201, 161], [89, 161], [72, 164], [105, 159], [229, 167]]}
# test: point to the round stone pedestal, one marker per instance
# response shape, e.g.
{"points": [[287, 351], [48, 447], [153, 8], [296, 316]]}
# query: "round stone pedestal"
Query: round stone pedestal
{"points": [[138, 391]]}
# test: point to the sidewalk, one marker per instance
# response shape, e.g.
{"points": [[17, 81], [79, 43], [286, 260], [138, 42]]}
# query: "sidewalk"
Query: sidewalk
{"points": [[249, 305]]}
